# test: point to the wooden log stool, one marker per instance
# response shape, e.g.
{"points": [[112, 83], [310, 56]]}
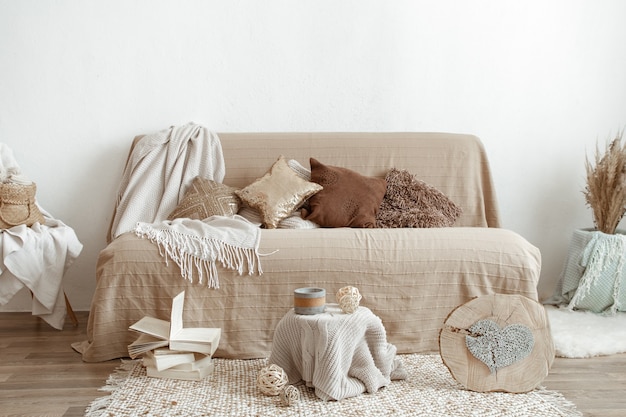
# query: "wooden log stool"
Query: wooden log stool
{"points": [[498, 342]]}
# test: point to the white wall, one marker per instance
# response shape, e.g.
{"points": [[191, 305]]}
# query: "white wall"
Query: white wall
{"points": [[538, 81]]}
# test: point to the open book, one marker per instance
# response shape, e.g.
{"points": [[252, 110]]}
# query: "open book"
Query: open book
{"points": [[156, 333]]}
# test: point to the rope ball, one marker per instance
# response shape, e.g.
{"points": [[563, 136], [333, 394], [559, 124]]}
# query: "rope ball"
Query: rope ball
{"points": [[290, 395], [348, 299], [271, 380]]}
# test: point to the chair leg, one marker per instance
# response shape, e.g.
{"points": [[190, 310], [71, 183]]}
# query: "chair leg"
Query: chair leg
{"points": [[70, 311], [68, 307]]}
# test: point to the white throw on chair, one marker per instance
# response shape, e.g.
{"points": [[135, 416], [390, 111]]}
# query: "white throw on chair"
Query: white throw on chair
{"points": [[36, 257]]}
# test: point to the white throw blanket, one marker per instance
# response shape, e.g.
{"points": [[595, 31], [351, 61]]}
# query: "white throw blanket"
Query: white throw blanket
{"points": [[158, 171], [9, 169], [35, 257], [199, 244], [341, 355]]}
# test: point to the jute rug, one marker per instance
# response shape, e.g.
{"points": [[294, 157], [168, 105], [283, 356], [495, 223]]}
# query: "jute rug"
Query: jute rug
{"points": [[231, 390]]}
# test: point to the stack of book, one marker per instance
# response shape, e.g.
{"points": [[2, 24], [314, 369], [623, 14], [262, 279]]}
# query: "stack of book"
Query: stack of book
{"points": [[169, 350]]}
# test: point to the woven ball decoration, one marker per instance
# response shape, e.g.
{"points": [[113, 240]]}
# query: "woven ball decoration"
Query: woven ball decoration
{"points": [[348, 299], [271, 380], [290, 395]]}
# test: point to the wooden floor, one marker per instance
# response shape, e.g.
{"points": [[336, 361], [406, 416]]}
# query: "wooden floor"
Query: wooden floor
{"points": [[40, 374]]}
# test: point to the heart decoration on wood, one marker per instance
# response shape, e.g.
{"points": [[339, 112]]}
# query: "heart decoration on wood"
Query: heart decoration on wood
{"points": [[499, 347]]}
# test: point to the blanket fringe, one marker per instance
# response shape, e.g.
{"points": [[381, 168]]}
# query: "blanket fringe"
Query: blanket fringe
{"points": [[98, 407], [557, 402], [601, 251], [201, 254]]}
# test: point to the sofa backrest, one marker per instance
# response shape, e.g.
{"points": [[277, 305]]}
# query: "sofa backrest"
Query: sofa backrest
{"points": [[455, 164]]}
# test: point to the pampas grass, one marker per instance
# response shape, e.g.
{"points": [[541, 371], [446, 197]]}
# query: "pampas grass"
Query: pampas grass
{"points": [[605, 191]]}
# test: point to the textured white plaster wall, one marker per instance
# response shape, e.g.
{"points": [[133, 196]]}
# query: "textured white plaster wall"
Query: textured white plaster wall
{"points": [[538, 81]]}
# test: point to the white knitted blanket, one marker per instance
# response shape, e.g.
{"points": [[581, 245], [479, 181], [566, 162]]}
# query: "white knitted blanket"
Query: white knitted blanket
{"points": [[341, 355], [198, 245], [158, 171]]}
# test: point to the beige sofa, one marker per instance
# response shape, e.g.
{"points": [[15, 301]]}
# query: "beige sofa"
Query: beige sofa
{"points": [[412, 278]]}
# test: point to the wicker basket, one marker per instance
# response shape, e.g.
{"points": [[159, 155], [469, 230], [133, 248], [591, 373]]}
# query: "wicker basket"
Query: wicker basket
{"points": [[17, 205]]}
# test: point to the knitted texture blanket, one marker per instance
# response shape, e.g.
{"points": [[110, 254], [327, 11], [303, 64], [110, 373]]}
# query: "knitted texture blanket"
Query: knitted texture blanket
{"points": [[158, 171], [601, 287], [198, 245], [340, 355], [594, 275]]}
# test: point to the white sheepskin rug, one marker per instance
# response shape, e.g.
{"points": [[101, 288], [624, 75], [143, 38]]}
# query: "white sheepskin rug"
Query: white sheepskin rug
{"points": [[583, 334]]}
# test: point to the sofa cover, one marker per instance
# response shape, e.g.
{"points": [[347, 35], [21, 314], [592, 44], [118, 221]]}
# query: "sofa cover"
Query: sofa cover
{"points": [[412, 278]]}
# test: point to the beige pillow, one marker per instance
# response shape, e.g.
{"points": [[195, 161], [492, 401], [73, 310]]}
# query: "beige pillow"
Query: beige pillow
{"points": [[410, 202], [348, 199], [205, 198], [278, 193]]}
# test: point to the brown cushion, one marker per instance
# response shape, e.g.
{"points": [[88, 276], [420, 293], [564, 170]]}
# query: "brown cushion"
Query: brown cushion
{"points": [[348, 199], [410, 202], [278, 193], [205, 198]]}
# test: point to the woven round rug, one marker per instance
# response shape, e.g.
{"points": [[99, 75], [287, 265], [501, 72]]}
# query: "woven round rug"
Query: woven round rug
{"points": [[231, 390]]}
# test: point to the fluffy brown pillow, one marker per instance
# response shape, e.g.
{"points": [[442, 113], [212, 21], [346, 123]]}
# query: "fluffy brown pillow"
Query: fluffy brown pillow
{"points": [[410, 202], [348, 199], [205, 198], [278, 193]]}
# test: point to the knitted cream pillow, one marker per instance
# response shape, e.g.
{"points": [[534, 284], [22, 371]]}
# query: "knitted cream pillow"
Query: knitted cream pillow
{"points": [[205, 198], [278, 193], [410, 202], [293, 221]]}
